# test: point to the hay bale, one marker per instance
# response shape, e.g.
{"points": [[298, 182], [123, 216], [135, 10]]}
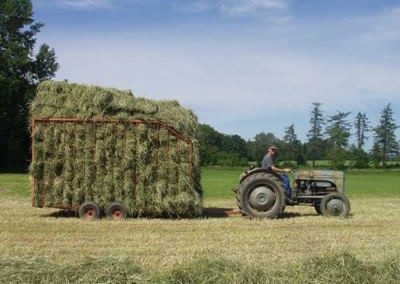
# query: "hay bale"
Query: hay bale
{"points": [[118, 147]]}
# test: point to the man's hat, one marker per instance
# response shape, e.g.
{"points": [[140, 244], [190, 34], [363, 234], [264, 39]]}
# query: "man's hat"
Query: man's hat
{"points": [[273, 147]]}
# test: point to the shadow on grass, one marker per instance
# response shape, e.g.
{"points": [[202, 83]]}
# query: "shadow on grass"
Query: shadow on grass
{"points": [[289, 215], [62, 214], [216, 212], [210, 212]]}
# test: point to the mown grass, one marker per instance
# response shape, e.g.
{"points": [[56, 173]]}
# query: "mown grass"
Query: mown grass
{"points": [[336, 268], [41, 245]]}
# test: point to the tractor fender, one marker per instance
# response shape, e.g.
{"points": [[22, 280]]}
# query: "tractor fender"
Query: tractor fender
{"points": [[259, 170]]}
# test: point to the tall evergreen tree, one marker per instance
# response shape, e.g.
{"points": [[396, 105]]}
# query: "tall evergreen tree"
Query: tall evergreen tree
{"points": [[20, 71], [290, 135], [292, 144], [385, 142], [317, 121], [338, 129], [315, 134], [361, 124]]}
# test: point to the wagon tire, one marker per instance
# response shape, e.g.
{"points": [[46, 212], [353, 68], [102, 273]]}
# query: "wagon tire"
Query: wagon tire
{"points": [[89, 210], [335, 205], [116, 211]]}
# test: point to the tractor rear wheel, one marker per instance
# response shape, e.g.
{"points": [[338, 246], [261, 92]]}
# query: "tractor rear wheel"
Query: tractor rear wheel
{"points": [[260, 196], [335, 205]]}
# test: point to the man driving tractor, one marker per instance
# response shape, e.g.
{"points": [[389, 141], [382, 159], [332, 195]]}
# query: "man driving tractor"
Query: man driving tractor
{"points": [[268, 163]]}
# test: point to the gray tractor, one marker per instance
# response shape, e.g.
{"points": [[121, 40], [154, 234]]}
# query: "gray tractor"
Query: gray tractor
{"points": [[260, 193]]}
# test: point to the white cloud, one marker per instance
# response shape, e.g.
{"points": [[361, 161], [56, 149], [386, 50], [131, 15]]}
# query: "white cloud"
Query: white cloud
{"points": [[196, 7], [87, 4], [234, 8], [243, 7], [386, 26]]}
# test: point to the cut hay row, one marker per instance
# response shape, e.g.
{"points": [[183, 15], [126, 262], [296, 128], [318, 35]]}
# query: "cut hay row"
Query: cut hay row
{"points": [[146, 164]]}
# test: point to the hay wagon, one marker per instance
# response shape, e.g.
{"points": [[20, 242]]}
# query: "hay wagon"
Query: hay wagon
{"points": [[118, 154]]}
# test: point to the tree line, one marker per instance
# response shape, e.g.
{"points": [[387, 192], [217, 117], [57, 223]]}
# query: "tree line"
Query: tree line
{"points": [[21, 70], [328, 139]]}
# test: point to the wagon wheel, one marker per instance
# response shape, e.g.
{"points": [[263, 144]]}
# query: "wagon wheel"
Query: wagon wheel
{"points": [[260, 196], [335, 205], [89, 210], [116, 211]]}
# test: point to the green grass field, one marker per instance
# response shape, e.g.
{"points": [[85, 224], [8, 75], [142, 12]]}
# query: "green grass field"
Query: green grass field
{"points": [[44, 245], [217, 182]]}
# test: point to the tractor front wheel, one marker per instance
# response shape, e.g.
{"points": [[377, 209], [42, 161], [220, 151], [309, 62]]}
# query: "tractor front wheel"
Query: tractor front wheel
{"points": [[335, 205]]}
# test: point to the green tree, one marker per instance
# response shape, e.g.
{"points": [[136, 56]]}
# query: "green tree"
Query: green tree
{"points": [[209, 155], [315, 135], [358, 155], [359, 158], [257, 147], [292, 146], [210, 145], [317, 121], [385, 142], [220, 149], [20, 71], [361, 124], [337, 157], [234, 144], [338, 130], [290, 136], [45, 64], [209, 136]]}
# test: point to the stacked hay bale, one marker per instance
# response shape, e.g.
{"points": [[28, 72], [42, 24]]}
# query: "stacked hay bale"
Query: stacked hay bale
{"points": [[105, 145]]}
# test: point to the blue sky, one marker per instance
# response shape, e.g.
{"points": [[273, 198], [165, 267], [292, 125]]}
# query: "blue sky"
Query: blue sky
{"points": [[243, 66]]}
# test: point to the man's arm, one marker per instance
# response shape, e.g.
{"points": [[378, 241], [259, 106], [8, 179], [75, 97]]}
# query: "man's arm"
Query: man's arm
{"points": [[279, 170]]}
